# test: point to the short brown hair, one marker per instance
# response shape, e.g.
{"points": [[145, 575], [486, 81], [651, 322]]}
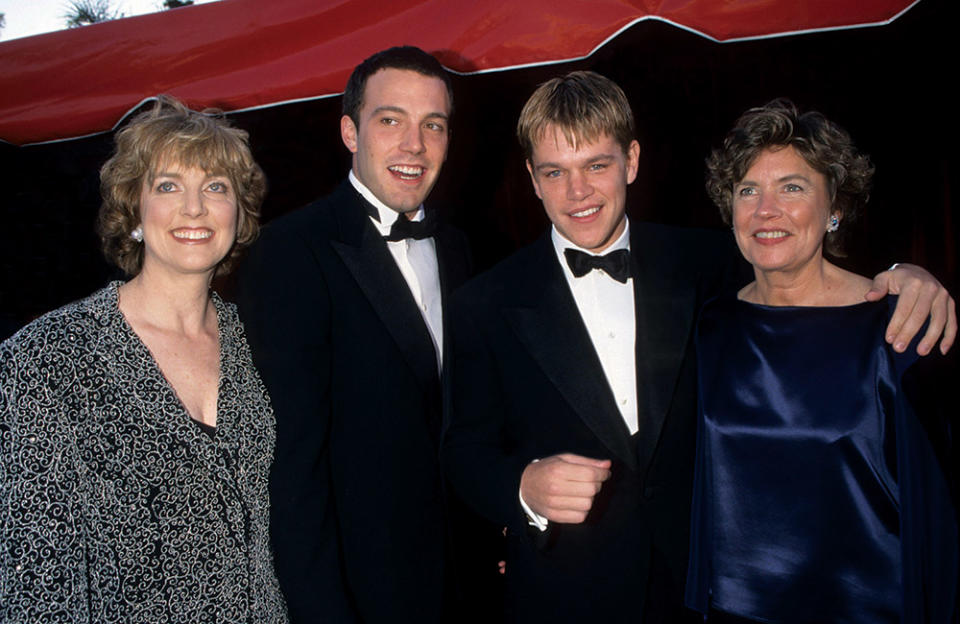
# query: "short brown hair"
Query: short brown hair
{"points": [[172, 133], [400, 57], [825, 146], [583, 105]]}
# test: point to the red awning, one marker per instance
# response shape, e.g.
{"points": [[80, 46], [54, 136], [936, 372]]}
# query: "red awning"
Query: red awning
{"points": [[242, 54]]}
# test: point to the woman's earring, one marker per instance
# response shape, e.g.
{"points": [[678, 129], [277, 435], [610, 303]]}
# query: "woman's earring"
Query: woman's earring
{"points": [[834, 223], [137, 234]]}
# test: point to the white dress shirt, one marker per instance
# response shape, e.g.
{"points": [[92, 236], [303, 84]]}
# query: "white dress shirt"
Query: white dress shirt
{"points": [[607, 309], [417, 261]]}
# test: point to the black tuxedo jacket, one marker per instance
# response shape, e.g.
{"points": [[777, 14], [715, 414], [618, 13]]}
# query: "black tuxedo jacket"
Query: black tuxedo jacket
{"points": [[357, 515], [528, 384]]}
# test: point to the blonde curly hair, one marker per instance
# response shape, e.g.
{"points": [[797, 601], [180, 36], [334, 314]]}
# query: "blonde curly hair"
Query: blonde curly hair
{"points": [[172, 133]]}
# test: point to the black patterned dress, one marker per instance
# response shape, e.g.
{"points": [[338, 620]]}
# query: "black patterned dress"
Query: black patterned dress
{"points": [[114, 505]]}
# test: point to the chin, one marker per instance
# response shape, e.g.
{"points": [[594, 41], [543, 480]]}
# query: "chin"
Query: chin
{"points": [[403, 205]]}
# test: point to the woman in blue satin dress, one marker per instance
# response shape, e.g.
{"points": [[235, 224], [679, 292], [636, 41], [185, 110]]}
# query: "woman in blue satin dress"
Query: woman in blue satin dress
{"points": [[819, 495]]}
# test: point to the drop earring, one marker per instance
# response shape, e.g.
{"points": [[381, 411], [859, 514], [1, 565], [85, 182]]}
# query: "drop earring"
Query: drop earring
{"points": [[834, 223]]}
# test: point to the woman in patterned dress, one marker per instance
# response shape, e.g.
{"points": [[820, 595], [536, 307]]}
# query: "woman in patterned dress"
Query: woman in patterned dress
{"points": [[135, 434]]}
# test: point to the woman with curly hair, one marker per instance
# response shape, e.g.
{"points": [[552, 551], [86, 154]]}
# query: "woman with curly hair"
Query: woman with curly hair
{"points": [[819, 496], [135, 434]]}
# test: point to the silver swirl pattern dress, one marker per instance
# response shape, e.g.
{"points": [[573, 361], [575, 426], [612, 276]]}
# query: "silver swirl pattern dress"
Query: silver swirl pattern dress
{"points": [[114, 505]]}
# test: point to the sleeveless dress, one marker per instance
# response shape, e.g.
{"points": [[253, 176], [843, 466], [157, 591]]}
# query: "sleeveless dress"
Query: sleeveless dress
{"points": [[818, 496]]}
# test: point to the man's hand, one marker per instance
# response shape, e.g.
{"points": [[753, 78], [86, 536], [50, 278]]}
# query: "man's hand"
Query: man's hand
{"points": [[921, 295], [561, 487]]}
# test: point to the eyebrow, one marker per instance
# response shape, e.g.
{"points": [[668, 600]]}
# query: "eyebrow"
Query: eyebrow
{"points": [[594, 160], [170, 174], [401, 111], [786, 178]]}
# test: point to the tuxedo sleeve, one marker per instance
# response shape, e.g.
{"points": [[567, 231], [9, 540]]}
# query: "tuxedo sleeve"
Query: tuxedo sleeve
{"points": [[480, 461], [284, 304]]}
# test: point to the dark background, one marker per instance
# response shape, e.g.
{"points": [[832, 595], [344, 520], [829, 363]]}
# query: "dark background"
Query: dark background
{"points": [[892, 87]]}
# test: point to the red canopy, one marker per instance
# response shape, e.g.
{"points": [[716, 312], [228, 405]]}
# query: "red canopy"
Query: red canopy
{"points": [[241, 54]]}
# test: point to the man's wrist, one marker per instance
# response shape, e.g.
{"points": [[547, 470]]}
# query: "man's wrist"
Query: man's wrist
{"points": [[533, 518]]}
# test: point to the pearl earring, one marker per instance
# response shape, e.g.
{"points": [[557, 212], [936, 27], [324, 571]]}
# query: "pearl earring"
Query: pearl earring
{"points": [[137, 234]]}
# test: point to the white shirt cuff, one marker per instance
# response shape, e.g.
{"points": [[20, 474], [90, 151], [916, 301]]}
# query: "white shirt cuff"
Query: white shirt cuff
{"points": [[533, 518]]}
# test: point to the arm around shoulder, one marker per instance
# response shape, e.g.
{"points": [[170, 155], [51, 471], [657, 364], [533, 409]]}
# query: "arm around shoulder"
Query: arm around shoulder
{"points": [[921, 296]]}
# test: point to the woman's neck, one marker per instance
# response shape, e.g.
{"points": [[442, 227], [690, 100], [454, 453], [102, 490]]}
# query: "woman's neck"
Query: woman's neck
{"points": [[181, 305], [819, 284]]}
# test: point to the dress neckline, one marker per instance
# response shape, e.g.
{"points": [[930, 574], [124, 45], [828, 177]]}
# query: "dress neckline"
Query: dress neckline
{"points": [[113, 290], [787, 308]]}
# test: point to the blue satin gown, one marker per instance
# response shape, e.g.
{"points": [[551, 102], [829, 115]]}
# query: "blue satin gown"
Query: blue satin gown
{"points": [[818, 497]]}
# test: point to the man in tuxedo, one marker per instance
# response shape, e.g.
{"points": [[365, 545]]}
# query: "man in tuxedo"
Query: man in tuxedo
{"points": [[574, 389], [343, 302]]}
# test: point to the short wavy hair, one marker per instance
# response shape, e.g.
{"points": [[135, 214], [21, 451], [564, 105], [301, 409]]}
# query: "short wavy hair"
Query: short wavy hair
{"points": [[583, 105], [825, 146], [171, 133]]}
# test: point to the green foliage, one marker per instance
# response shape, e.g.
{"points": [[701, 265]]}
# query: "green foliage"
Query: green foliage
{"points": [[84, 12]]}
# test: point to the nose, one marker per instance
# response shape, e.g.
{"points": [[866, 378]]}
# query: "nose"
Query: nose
{"points": [[767, 206], [413, 140], [578, 186], [193, 203]]}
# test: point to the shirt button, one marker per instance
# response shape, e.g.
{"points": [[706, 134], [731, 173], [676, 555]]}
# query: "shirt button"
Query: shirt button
{"points": [[613, 334], [623, 401]]}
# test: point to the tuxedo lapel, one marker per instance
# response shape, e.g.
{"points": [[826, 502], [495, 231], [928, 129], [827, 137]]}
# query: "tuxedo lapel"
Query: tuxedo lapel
{"points": [[548, 323], [451, 260], [368, 260], [665, 311], [453, 264]]}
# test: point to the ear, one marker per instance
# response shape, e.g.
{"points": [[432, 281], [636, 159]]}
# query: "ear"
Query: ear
{"points": [[348, 133], [633, 161], [533, 179]]}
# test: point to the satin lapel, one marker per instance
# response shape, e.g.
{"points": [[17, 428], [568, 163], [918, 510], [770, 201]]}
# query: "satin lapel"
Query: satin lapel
{"points": [[454, 267], [366, 256], [453, 263], [549, 326], [666, 310]]}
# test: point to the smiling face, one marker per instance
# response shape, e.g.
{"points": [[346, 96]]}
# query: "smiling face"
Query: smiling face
{"points": [[189, 220], [584, 188], [781, 210], [401, 141]]}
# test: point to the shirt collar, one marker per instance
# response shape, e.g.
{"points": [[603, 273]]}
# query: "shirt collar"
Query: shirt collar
{"points": [[560, 242], [387, 215]]}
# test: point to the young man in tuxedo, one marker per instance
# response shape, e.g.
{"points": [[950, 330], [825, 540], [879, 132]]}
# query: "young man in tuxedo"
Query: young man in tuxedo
{"points": [[344, 305], [574, 391]]}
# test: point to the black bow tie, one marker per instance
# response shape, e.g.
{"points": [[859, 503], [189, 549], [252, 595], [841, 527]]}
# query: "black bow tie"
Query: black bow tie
{"points": [[616, 263], [405, 228]]}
